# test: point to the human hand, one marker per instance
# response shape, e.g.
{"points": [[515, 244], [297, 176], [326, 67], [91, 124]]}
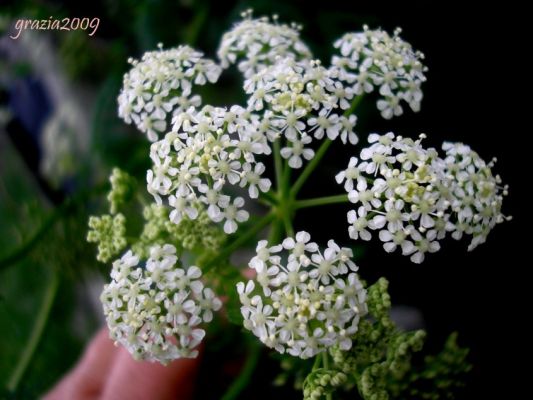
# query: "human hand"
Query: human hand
{"points": [[108, 372]]}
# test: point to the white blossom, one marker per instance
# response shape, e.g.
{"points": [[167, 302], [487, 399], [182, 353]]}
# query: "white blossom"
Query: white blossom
{"points": [[477, 194], [160, 85], [359, 224], [414, 198], [207, 150], [157, 325], [300, 100], [310, 300], [296, 151], [374, 59], [256, 43], [232, 214]]}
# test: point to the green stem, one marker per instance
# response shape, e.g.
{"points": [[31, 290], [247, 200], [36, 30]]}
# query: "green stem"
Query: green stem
{"points": [[316, 364], [286, 181], [195, 27], [141, 199], [289, 230], [325, 362], [354, 105], [243, 379], [269, 197], [35, 335], [275, 233], [264, 221], [309, 168], [320, 201], [278, 164]]}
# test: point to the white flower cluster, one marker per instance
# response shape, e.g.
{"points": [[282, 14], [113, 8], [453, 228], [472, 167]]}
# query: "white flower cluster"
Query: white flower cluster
{"points": [[306, 305], [414, 198], [299, 98], [256, 43], [206, 149], [155, 310], [373, 58], [160, 85], [477, 194]]}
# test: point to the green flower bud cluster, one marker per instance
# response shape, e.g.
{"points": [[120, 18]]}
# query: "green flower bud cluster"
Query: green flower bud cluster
{"points": [[440, 376], [122, 189], [109, 232], [379, 363], [321, 382], [199, 235], [379, 381]]}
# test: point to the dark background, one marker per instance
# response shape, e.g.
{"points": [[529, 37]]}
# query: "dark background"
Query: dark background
{"points": [[473, 67]]}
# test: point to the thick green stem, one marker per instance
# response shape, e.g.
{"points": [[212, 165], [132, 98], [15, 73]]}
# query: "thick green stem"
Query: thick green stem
{"points": [[320, 201], [275, 232], [35, 335], [243, 379], [289, 230]]}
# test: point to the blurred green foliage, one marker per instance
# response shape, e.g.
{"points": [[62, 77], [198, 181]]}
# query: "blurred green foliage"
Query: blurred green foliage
{"points": [[23, 284]]}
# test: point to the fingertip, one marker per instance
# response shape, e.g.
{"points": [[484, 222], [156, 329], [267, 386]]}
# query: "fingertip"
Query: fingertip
{"points": [[143, 379]]}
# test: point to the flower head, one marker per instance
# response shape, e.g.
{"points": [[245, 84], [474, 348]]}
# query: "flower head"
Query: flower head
{"points": [[310, 300], [122, 189], [160, 84], [256, 43], [155, 311], [414, 198], [373, 59], [206, 150], [477, 194], [300, 100]]}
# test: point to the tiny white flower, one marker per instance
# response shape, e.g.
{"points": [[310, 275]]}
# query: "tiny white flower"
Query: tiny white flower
{"points": [[232, 214], [297, 151], [359, 224]]}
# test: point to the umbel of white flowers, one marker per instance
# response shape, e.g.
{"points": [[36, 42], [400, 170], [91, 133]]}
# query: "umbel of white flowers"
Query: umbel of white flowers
{"points": [[300, 100], [206, 149], [256, 43], [373, 59], [155, 310], [160, 85], [306, 302], [292, 99], [413, 198]]}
